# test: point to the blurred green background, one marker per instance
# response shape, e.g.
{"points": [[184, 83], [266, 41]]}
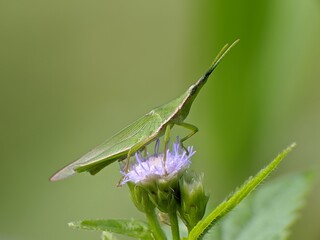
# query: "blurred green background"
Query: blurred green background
{"points": [[73, 73]]}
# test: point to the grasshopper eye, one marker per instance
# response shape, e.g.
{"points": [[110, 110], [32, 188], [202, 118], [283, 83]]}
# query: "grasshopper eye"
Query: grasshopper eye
{"points": [[193, 89]]}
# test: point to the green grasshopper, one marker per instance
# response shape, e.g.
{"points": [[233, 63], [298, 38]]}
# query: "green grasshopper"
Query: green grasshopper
{"points": [[143, 131]]}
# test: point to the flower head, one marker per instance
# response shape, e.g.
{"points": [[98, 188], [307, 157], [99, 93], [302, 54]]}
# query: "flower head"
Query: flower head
{"points": [[159, 175], [154, 167]]}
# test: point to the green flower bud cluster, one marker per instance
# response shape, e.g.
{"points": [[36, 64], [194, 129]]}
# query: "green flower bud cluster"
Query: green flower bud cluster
{"points": [[184, 194]]}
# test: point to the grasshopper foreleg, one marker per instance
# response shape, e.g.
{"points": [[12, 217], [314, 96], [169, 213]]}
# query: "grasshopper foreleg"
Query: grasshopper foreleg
{"points": [[193, 129]]}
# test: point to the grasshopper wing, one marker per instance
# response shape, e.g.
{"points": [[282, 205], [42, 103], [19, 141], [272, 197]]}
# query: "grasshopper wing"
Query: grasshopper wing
{"points": [[133, 137]]}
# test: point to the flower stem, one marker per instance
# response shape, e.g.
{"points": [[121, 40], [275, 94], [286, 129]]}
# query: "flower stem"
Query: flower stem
{"points": [[155, 226], [174, 224]]}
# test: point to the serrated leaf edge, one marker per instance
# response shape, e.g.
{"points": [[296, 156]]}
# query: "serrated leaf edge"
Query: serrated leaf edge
{"points": [[203, 226]]}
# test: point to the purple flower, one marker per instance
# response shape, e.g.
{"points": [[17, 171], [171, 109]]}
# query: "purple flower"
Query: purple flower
{"points": [[153, 167]]}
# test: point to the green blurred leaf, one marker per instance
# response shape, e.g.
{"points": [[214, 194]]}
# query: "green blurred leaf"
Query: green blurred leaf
{"points": [[267, 213], [132, 228], [203, 226]]}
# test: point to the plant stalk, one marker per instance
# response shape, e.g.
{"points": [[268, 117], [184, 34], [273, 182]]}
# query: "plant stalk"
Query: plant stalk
{"points": [[155, 225], [174, 224]]}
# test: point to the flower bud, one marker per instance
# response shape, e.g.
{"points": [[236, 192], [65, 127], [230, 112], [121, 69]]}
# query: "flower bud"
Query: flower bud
{"points": [[140, 198], [193, 199], [164, 194]]}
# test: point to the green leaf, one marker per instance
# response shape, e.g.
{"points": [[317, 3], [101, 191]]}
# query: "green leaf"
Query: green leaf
{"points": [[132, 228], [267, 213], [205, 225]]}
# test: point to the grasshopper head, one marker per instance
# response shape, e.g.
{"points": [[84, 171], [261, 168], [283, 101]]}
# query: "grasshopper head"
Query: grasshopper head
{"points": [[195, 88]]}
